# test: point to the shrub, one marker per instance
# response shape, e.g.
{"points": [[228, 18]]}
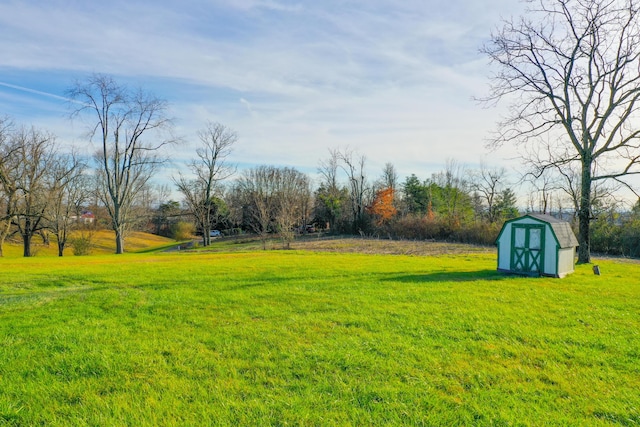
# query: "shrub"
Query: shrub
{"points": [[82, 244], [182, 230], [605, 237], [417, 227], [630, 238], [425, 227], [481, 233]]}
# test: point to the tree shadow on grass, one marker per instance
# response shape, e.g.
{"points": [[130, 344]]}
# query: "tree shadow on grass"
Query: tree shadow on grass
{"points": [[452, 276]]}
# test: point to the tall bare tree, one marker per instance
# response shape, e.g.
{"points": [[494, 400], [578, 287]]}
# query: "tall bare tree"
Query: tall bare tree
{"points": [[8, 188], [210, 168], [570, 71], [354, 166], [128, 125]]}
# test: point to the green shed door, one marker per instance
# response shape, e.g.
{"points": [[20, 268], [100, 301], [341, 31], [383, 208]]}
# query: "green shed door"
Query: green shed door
{"points": [[527, 248]]}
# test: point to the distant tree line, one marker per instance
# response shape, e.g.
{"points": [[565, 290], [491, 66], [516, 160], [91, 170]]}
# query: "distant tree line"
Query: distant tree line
{"points": [[51, 194], [269, 201]]}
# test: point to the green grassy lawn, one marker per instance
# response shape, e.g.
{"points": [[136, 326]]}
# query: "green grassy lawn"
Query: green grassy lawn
{"points": [[303, 338]]}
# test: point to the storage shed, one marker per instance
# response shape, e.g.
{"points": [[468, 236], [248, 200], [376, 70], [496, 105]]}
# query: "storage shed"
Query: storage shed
{"points": [[536, 244]]}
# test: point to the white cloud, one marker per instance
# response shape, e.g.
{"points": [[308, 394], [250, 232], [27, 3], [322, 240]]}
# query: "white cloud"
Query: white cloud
{"points": [[392, 79]]}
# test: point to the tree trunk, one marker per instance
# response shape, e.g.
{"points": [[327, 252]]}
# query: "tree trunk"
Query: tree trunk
{"points": [[206, 229], [584, 214], [119, 242], [26, 237], [26, 244], [61, 238], [3, 236]]}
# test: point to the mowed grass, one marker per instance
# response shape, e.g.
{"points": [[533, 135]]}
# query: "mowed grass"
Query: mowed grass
{"points": [[304, 338]]}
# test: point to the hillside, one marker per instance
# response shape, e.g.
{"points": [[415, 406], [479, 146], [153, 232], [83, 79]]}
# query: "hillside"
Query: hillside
{"points": [[102, 242]]}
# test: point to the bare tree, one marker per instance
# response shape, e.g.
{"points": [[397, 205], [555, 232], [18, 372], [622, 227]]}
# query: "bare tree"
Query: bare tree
{"points": [[192, 191], [8, 173], [570, 68], [328, 170], [274, 200], [329, 196], [68, 195], [256, 189], [209, 170], [542, 189], [292, 192], [602, 192], [389, 177], [488, 183], [354, 166], [40, 174], [121, 119]]}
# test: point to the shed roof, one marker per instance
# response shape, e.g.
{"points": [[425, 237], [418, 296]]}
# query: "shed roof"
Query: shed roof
{"points": [[562, 229]]}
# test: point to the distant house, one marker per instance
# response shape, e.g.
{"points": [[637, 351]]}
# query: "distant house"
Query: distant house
{"points": [[537, 244], [86, 217]]}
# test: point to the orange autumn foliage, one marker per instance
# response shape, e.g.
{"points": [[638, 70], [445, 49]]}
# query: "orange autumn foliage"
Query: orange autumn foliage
{"points": [[382, 205]]}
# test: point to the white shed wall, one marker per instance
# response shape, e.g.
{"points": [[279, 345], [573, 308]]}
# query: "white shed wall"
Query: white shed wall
{"points": [[504, 249], [566, 260], [550, 248]]}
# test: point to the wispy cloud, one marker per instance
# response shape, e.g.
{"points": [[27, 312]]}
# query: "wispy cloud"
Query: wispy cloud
{"points": [[35, 92], [394, 79]]}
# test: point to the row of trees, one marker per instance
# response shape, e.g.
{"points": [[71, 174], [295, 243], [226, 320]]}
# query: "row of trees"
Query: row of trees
{"points": [[264, 199], [41, 187], [45, 191], [269, 200], [617, 233], [456, 204]]}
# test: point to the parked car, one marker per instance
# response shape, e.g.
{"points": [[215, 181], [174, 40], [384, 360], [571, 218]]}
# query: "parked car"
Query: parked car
{"points": [[215, 233], [303, 229]]}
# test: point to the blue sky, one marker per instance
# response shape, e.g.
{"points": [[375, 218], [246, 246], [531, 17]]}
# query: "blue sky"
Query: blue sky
{"points": [[393, 80]]}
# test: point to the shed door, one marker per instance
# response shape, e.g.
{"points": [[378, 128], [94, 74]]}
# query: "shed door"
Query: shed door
{"points": [[527, 248]]}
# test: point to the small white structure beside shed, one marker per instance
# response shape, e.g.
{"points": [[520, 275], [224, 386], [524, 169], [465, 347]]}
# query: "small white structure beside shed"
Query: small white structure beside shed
{"points": [[537, 244]]}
